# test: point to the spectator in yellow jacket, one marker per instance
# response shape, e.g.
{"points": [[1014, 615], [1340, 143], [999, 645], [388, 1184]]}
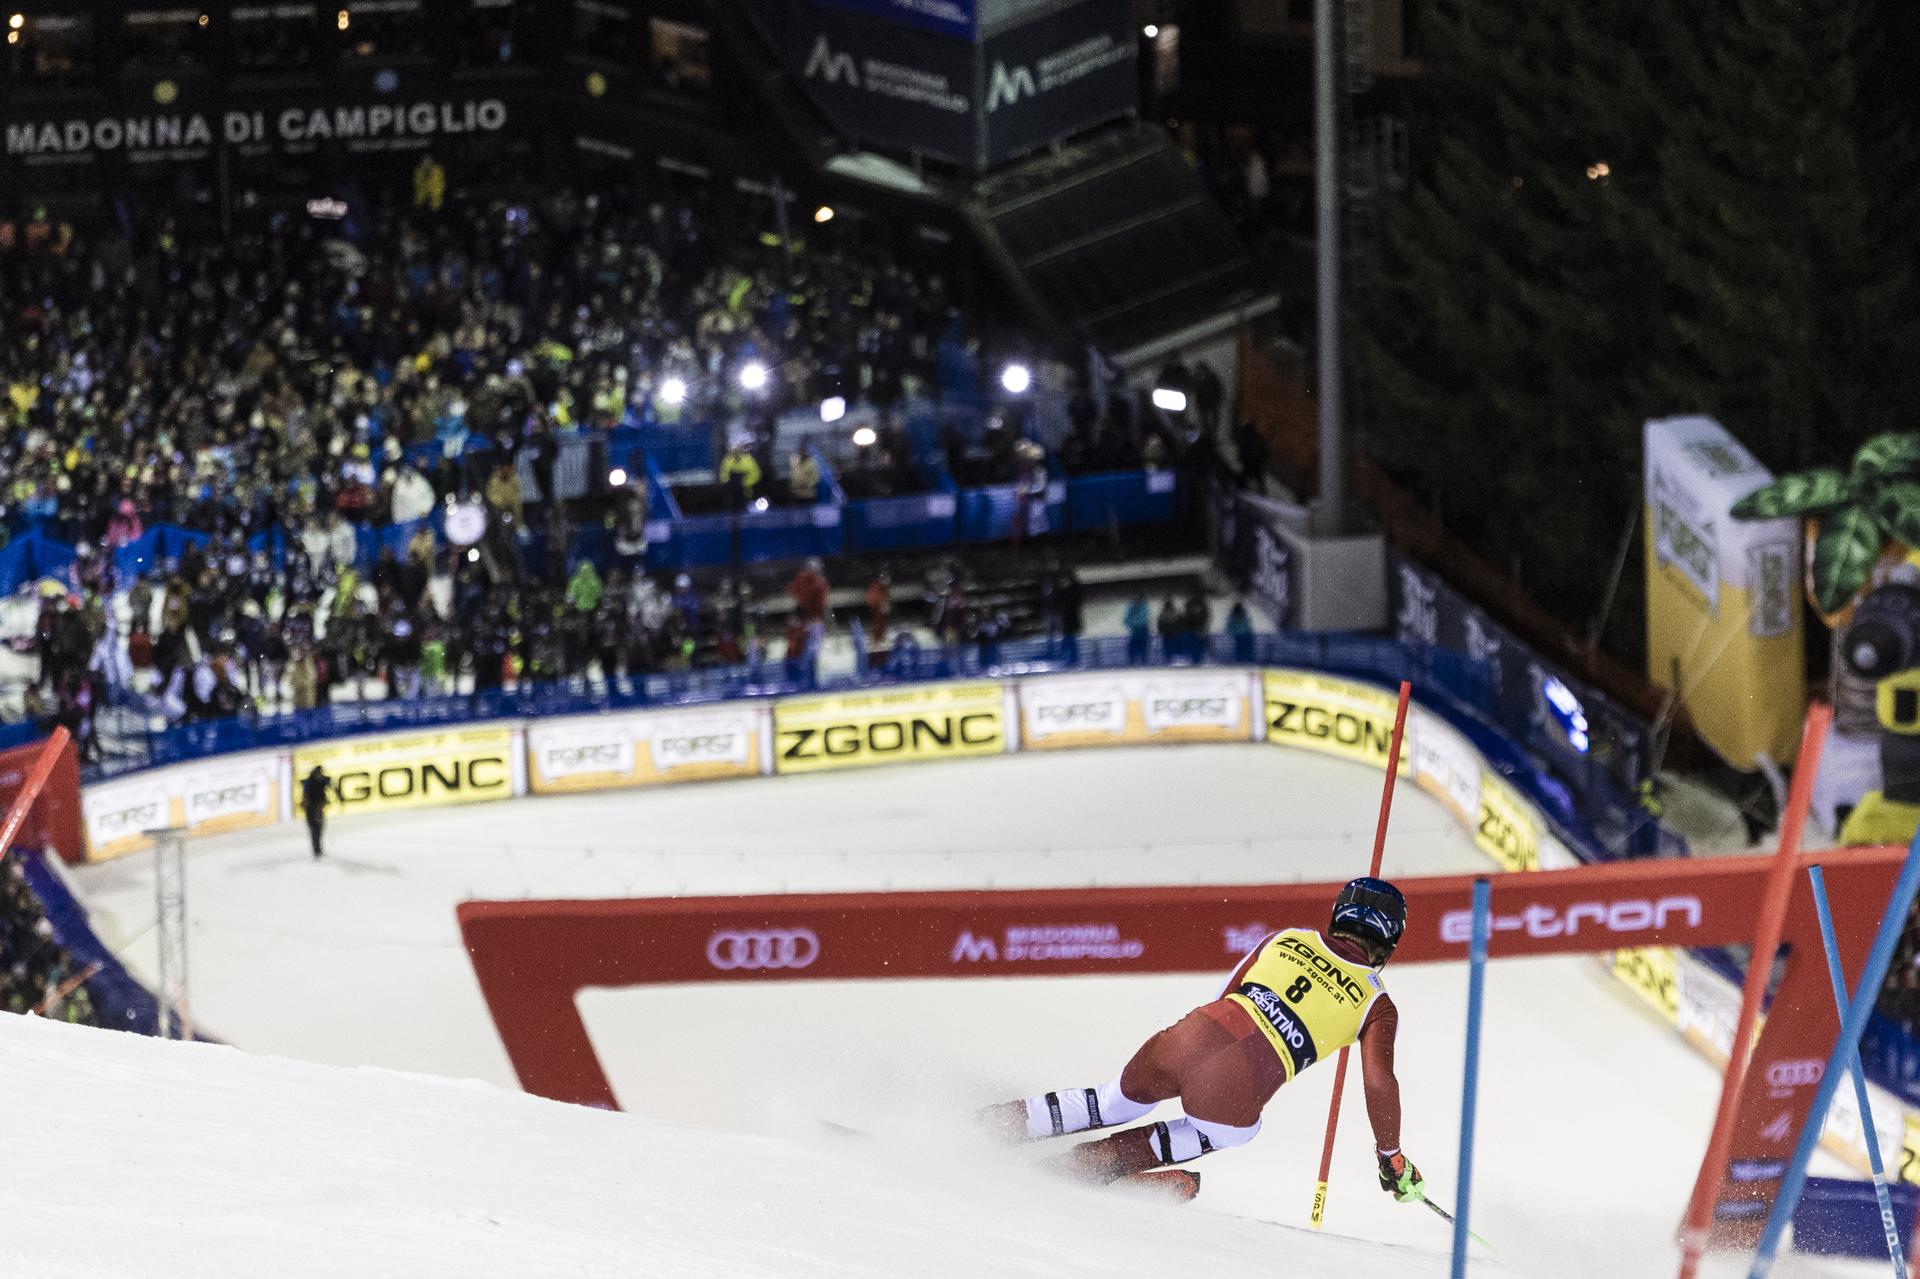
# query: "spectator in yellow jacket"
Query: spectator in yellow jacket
{"points": [[740, 473]]}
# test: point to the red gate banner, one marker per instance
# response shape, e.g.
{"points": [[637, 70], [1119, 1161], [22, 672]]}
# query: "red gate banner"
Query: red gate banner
{"points": [[54, 820], [532, 958]]}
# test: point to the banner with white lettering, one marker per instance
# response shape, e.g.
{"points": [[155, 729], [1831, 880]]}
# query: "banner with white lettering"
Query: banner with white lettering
{"points": [[884, 84], [644, 748], [1058, 75], [1117, 708], [48, 136]]}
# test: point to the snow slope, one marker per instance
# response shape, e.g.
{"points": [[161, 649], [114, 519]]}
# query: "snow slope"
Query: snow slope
{"points": [[1593, 1112], [129, 1157]]}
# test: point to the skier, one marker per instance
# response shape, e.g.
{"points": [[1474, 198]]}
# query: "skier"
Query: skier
{"points": [[1299, 996], [314, 789]]}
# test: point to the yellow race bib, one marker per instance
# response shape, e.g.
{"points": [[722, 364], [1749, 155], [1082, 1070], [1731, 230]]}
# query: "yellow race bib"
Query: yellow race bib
{"points": [[1307, 1000]]}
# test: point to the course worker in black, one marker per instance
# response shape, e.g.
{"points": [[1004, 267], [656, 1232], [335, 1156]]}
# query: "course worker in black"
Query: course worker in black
{"points": [[314, 789]]}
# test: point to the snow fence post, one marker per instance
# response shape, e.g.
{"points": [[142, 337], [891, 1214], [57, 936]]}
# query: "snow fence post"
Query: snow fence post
{"points": [[1469, 1102], [1892, 922], [1869, 1134]]}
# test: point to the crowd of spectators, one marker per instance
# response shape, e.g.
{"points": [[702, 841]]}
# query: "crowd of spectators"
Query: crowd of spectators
{"points": [[275, 380], [37, 975], [333, 375]]}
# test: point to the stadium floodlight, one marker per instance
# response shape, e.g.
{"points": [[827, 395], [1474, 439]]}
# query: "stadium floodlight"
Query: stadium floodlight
{"points": [[673, 391], [1016, 378], [833, 408], [617, 476], [823, 214], [865, 437], [753, 375], [1170, 399]]}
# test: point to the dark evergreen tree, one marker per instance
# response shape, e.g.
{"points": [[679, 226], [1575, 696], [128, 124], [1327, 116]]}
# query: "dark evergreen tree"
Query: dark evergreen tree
{"points": [[1789, 303], [1628, 211]]}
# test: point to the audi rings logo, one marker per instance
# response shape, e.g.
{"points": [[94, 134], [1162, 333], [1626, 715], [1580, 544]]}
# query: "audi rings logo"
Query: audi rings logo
{"points": [[763, 950]]}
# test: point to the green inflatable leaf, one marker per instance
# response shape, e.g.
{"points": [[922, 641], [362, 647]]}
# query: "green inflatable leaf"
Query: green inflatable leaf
{"points": [[1844, 555], [1805, 493], [1896, 507], [1894, 456]]}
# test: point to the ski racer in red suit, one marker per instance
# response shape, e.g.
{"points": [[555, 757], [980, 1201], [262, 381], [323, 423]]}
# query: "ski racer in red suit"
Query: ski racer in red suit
{"points": [[1297, 997]]}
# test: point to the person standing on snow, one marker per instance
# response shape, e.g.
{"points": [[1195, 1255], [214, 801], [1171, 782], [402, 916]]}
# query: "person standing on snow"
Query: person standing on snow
{"points": [[1299, 996], [314, 789]]}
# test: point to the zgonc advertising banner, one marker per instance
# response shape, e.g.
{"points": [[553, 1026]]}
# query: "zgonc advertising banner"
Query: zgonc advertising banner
{"points": [[644, 749], [1121, 708], [1332, 716], [814, 734], [417, 770], [1355, 721]]}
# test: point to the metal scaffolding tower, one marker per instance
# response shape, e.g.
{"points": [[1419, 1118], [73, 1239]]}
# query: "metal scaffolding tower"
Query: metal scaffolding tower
{"points": [[170, 905]]}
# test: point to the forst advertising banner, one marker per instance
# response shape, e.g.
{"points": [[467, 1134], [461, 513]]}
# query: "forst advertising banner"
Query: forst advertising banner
{"points": [[224, 795], [418, 770], [1060, 712], [856, 730], [644, 749], [1058, 75], [118, 814]]}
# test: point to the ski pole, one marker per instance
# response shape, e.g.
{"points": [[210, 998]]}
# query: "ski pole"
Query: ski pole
{"points": [[1447, 1217]]}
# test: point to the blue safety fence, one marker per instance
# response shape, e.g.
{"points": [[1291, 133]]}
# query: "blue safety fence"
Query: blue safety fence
{"points": [[12, 735], [989, 513], [1840, 1217], [750, 537], [1119, 498]]}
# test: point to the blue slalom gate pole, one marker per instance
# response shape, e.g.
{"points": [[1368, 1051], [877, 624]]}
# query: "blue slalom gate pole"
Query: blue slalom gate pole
{"points": [[1469, 1102], [1837, 972], [1852, 1026]]}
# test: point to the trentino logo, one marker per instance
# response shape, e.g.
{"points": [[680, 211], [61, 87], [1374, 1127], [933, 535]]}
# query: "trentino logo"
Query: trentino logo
{"points": [[824, 64]]}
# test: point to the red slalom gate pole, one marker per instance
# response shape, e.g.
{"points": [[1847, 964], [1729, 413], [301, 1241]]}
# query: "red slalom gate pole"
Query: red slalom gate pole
{"points": [[30, 790], [1766, 944], [1379, 846]]}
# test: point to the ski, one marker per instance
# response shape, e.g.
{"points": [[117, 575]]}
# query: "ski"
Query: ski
{"points": [[1170, 1185]]}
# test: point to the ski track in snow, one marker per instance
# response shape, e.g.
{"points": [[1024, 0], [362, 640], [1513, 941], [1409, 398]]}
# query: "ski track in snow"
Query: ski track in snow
{"points": [[131, 1158]]}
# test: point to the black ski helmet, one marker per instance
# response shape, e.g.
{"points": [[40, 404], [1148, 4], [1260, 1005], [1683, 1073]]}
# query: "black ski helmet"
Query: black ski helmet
{"points": [[1373, 914]]}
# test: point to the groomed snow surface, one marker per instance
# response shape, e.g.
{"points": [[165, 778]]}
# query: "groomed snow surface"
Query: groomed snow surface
{"points": [[132, 1158]]}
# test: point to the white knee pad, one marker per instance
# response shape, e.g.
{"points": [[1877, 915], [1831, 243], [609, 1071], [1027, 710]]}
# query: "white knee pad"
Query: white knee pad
{"points": [[1178, 1140], [1057, 1114]]}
